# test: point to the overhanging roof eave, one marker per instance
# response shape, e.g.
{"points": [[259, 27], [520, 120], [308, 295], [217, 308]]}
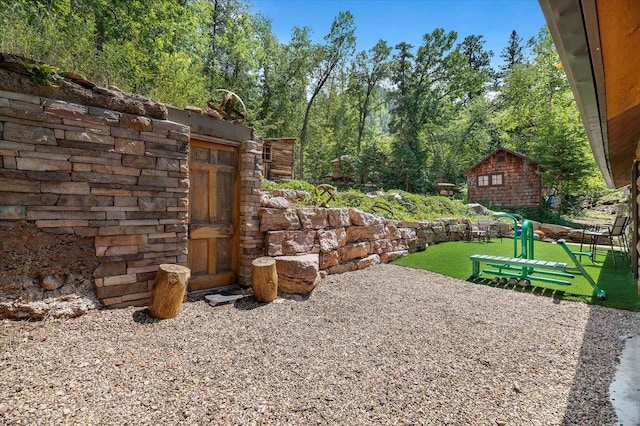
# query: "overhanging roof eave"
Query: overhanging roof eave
{"points": [[573, 27]]}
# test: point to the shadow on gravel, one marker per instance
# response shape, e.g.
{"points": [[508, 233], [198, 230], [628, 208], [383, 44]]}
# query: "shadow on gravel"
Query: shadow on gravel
{"points": [[598, 363], [247, 304], [596, 368], [557, 295], [142, 316]]}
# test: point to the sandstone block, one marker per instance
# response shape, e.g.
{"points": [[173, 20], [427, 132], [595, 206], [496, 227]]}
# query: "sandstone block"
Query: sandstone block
{"points": [[289, 285], [121, 132], [65, 187], [65, 109], [365, 233], [400, 245], [361, 218], [290, 194], [342, 268], [88, 136], [276, 203], [409, 224], [129, 146], [304, 267], [382, 246], [370, 260], [424, 232], [116, 170], [11, 185], [392, 232], [313, 218], [139, 161], [407, 233], [159, 181], [278, 220], [555, 231], [165, 126], [332, 239], [286, 243], [61, 224], [392, 255], [353, 251], [297, 274], [329, 259], [105, 178], [30, 134], [13, 212], [135, 122], [147, 204], [121, 240], [338, 217], [169, 164], [117, 290], [41, 164]]}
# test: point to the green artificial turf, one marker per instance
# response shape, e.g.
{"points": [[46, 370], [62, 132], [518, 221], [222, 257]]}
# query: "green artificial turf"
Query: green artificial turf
{"points": [[452, 259]]}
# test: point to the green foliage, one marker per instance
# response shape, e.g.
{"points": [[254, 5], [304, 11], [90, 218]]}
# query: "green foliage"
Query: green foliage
{"points": [[340, 44], [298, 185], [44, 74], [539, 214], [393, 204], [410, 117]]}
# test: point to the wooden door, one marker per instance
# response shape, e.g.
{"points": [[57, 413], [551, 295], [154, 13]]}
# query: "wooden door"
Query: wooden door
{"points": [[213, 215]]}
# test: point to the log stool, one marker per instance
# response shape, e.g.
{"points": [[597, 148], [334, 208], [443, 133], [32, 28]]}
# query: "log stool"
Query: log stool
{"points": [[264, 279], [168, 291]]}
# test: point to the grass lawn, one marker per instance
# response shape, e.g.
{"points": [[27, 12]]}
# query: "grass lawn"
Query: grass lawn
{"points": [[452, 259]]}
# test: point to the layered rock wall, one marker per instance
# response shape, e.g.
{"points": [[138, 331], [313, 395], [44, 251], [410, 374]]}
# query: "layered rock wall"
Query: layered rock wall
{"points": [[85, 172], [310, 243]]}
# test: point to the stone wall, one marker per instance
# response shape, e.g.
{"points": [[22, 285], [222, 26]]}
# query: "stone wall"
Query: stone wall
{"points": [[94, 187], [118, 179], [311, 243], [251, 239]]}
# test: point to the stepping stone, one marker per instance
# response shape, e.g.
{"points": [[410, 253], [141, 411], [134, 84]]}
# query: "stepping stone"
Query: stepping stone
{"points": [[214, 299]]}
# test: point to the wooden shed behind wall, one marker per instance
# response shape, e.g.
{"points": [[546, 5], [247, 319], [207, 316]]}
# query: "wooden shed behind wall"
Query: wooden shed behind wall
{"points": [[277, 158], [505, 178]]}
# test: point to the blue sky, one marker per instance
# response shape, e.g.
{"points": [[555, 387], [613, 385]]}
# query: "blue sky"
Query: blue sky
{"points": [[407, 20]]}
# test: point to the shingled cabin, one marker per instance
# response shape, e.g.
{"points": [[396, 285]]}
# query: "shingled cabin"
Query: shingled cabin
{"points": [[277, 158], [505, 178]]}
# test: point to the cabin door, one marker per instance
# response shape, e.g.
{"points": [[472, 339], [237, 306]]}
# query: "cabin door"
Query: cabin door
{"points": [[213, 215]]}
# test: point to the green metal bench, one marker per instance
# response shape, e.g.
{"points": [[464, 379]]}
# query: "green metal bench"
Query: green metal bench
{"points": [[532, 269], [519, 267]]}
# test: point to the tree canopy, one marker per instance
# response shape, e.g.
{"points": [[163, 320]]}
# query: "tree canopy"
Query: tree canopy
{"points": [[408, 116]]}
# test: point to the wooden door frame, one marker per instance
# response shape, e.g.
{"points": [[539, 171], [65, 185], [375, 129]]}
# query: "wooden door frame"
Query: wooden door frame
{"points": [[201, 141]]}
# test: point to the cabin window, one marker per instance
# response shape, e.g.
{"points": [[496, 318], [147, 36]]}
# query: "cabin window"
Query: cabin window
{"points": [[266, 152], [496, 179], [483, 180], [501, 158]]}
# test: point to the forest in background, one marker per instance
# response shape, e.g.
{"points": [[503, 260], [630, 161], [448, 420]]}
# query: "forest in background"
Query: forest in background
{"points": [[407, 116]]}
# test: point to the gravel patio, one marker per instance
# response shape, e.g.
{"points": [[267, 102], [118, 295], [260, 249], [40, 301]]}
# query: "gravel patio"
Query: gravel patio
{"points": [[384, 345]]}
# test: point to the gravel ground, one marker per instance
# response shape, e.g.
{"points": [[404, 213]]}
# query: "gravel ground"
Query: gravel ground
{"points": [[385, 345]]}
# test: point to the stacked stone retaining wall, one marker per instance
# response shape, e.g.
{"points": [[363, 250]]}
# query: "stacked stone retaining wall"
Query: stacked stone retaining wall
{"points": [[90, 172], [336, 240]]}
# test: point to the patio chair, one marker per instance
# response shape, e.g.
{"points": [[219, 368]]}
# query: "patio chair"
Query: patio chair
{"points": [[484, 227], [473, 231], [616, 236], [589, 236]]}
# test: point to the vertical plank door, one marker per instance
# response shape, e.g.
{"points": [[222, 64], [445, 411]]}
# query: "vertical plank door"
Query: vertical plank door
{"points": [[213, 215]]}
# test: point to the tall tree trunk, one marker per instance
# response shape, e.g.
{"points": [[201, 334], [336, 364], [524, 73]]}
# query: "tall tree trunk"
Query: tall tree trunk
{"points": [[303, 138]]}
